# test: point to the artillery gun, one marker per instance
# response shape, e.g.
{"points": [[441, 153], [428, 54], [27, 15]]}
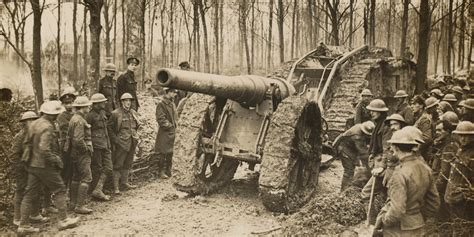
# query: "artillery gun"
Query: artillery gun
{"points": [[273, 121]]}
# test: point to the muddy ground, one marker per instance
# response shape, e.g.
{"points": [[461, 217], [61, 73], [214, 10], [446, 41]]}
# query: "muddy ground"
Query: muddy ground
{"points": [[156, 208]]}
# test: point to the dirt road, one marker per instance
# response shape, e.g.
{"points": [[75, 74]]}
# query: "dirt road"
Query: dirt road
{"points": [[156, 208]]}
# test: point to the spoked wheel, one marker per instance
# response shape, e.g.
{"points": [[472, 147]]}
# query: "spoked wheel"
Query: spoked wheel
{"points": [[195, 171], [292, 155]]}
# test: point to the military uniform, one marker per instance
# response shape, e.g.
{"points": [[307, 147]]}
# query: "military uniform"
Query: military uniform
{"points": [[406, 112], [43, 167], [362, 114], [412, 197], [460, 184], [63, 124], [126, 84], [108, 87], [166, 117], [426, 126], [101, 156], [122, 128], [351, 147]]}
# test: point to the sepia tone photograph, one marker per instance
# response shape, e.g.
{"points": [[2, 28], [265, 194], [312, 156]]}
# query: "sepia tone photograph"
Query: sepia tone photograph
{"points": [[237, 118]]}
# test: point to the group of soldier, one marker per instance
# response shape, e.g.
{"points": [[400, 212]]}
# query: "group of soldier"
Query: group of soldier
{"points": [[420, 157], [76, 144]]}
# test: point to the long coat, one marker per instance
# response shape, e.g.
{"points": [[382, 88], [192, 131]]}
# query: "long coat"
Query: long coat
{"points": [[126, 84], [166, 117], [122, 128]]}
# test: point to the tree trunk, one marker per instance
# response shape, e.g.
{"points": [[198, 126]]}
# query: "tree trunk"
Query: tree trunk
{"points": [[58, 45], [115, 32], [196, 34], [36, 65], [403, 37], [107, 28], [85, 52], [124, 34], [269, 42], [95, 28], [310, 24], [164, 35], [280, 22], [216, 35], [171, 46], [351, 22], [450, 37], [75, 38], [252, 39], [221, 34], [462, 35], [243, 9], [207, 63], [293, 28], [423, 45], [389, 24], [372, 22]]}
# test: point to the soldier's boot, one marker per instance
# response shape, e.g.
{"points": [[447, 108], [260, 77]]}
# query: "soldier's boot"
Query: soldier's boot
{"points": [[346, 182], [162, 168], [68, 222], [81, 200], [168, 165], [116, 181], [125, 177], [98, 193], [24, 230], [64, 221], [73, 195]]}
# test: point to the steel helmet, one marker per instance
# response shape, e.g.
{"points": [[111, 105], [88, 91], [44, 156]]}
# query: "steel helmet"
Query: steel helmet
{"points": [[416, 133], [396, 117], [367, 127], [437, 92], [430, 102], [457, 89], [126, 96], [450, 97], [450, 117], [28, 115], [402, 137], [97, 98], [400, 94], [68, 91], [377, 105], [110, 67], [441, 81], [469, 103], [464, 128], [81, 101], [51, 107], [445, 106], [366, 92]]}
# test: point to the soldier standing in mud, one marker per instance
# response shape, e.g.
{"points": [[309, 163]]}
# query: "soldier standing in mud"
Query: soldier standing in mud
{"points": [[122, 128], [108, 88], [166, 117], [43, 166], [20, 172], [412, 194], [126, 82], [80, 142], [101, 165]]}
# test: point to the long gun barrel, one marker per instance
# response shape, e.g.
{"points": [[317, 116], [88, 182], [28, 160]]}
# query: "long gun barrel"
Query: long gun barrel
{"points": [[246, 89]]}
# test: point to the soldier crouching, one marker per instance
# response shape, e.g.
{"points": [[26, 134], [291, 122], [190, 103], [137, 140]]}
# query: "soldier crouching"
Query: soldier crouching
{"points": [[122, 128], [79, 133], [101, 166]]}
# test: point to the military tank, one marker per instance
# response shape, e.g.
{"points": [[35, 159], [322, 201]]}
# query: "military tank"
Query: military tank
{"points": [[274, 121]]}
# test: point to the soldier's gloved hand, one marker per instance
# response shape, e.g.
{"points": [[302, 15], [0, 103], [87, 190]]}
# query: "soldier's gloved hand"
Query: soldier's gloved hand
{"points": [[377, 172]]}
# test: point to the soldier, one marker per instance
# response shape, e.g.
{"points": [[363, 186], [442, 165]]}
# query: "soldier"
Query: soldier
{"points": [[412, 194], [458, 92], [442, 85], [184, 65], [67, 98], [80, 143], [166, 117], [451, 99], [403, 108], [436, 93], [126, 82], [101, 166], [378, 111], [108, 88], [426, 123], [361, 113], [467, 110], [418, 106], [351, 147], [459, 187], [20, 172], [122, 128], [44, 165], [444, 107], [447, 146]]}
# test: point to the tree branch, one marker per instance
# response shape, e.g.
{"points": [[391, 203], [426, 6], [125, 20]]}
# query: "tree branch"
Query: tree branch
{"points": [[17, 51]]}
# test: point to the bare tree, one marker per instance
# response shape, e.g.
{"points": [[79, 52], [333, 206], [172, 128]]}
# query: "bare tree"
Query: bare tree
{"points": [[75, 38], [336, 17], [58, 46], [109, 22], [403, 37], [423, 45], [280, 23], [172, 41], [35, 66], [243, 13], [202, 12], [18, 16], [95, 27], [269, 41], [216, 35]]}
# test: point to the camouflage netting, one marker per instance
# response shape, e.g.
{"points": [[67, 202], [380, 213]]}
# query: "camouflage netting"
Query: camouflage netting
{"points": [[330, 214], [9, 126]]}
